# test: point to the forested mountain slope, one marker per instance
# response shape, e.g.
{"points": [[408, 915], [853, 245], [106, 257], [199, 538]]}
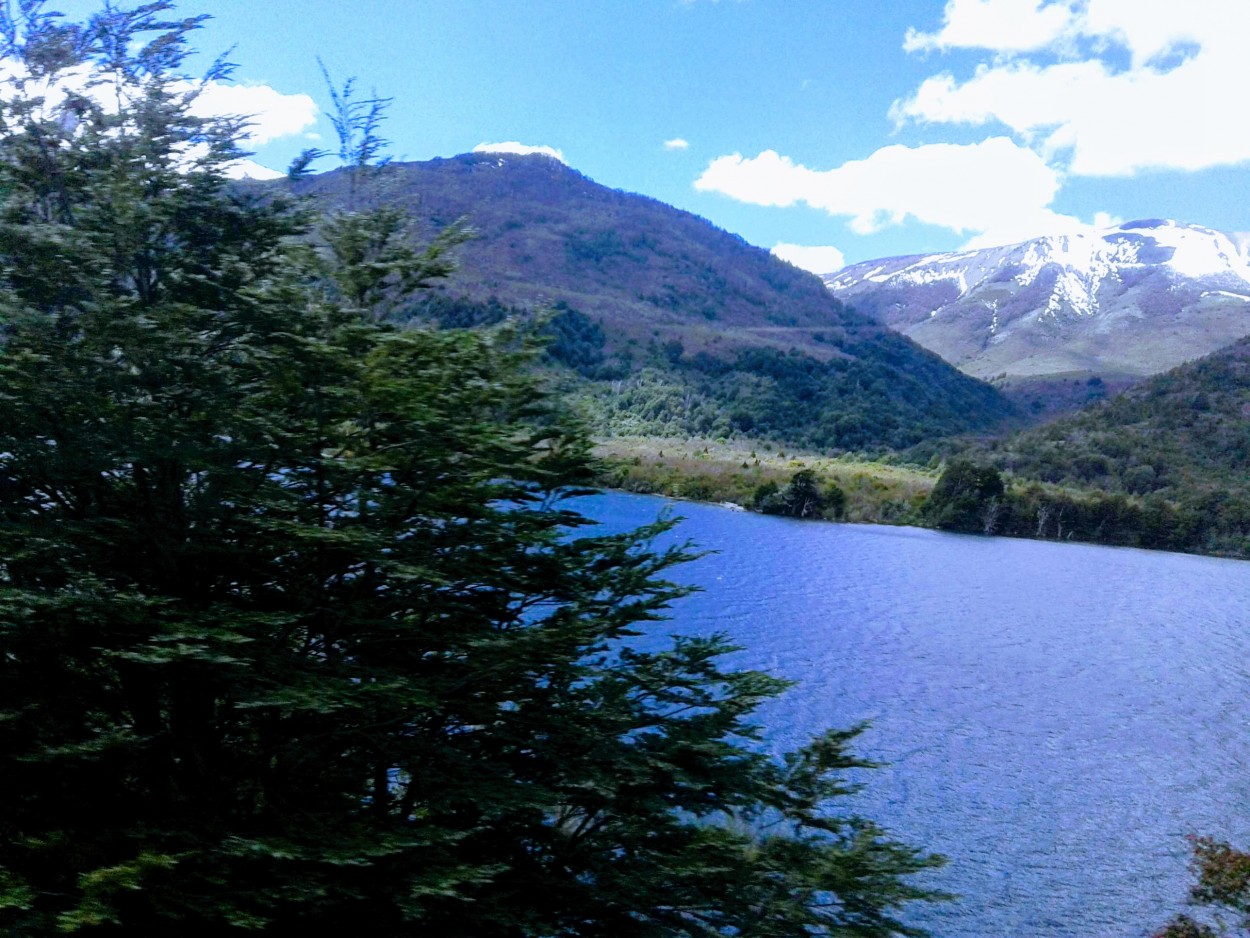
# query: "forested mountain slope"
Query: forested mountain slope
{"points": [[1182, 437], [682, 326]]}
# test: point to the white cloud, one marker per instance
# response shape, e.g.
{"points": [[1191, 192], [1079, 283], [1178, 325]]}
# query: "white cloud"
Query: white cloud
{"points": [[768, 179], [996, 191], [1149, 28], [1173, 107], [819, 260], [1003, 25], [521, 149], [677, 143], [272, 114]]}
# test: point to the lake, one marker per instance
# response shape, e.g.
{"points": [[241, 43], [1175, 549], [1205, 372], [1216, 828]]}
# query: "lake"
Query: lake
{"points": [[1057, 718]]}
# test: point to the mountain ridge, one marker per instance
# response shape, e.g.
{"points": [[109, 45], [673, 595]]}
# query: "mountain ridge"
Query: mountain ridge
{"points": [[545, 232], [700, 332], [1119, 303]]}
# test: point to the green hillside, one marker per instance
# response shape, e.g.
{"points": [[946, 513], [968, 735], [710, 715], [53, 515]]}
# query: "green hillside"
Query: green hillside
{"points": [[1176, 446], [678, 327], [1182, 433]]}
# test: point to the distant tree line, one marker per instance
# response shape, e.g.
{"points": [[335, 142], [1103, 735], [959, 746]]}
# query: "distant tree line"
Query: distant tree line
{"points": [[976, 498], [1165, 464], [802, 497]]}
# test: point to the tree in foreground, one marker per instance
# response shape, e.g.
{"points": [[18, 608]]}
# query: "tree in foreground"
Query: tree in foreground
{"points": [[298, 625]]}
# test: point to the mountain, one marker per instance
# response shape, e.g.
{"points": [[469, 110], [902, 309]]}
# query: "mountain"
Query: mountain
{"points": [[1181, 438], [685, 327], [1120, 303], [544, 233]]}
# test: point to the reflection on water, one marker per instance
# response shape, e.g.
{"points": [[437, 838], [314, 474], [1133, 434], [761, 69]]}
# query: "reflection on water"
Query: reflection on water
{"points": [[1057, 717]]}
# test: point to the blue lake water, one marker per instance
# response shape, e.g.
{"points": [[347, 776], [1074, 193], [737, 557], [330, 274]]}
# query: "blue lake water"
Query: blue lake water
{"points": [[1057, 718]]}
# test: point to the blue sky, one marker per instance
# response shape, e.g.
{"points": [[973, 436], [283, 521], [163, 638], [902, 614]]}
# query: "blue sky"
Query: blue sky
{"points": [[858, 127]]}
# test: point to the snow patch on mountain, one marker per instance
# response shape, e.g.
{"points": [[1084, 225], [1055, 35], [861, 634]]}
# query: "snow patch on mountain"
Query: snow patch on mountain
{"points": [[1086, 261], [1101, 299]]}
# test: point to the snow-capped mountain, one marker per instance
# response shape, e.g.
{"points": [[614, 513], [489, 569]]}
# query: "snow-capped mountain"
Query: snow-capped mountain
{"points": [[1126, 301]]}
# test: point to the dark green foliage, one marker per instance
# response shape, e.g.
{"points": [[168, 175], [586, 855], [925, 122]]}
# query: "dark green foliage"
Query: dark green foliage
{"points": [[1171, 458], [299, 628], [764, 493], [575, 341], [835, 500], [973, 497], [1185, 927], [967, 497], [371, 264], [571, 339], [887, 397], [802, 497], [452, 312]]}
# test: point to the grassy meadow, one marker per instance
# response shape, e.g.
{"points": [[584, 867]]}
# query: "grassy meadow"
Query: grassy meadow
{"points": [[719, 471]]}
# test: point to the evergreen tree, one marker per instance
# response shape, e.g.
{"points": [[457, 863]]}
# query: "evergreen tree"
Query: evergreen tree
{"points": [[967, 497], [802, 497], [298, 624]]}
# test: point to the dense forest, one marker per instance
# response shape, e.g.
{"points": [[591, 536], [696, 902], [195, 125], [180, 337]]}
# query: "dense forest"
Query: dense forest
{"points": [[1163, 464], [884, 393]]}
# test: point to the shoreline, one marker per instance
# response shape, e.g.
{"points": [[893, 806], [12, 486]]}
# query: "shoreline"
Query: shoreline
{"points": [[729, 473]]}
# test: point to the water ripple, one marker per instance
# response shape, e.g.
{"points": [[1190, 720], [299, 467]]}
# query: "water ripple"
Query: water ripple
{"points": [[1057, 717]]}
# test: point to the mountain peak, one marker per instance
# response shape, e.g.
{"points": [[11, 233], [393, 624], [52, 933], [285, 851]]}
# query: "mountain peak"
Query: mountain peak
{"points": [[1133, 299], [684, 324]]}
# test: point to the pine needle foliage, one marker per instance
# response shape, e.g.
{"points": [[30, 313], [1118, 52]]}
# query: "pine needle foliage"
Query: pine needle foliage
{"points": [[299, 627]]}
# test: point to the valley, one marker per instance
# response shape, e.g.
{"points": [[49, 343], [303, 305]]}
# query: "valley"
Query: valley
{"points": [[432, 545], [732, 472], [697, 359]]}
